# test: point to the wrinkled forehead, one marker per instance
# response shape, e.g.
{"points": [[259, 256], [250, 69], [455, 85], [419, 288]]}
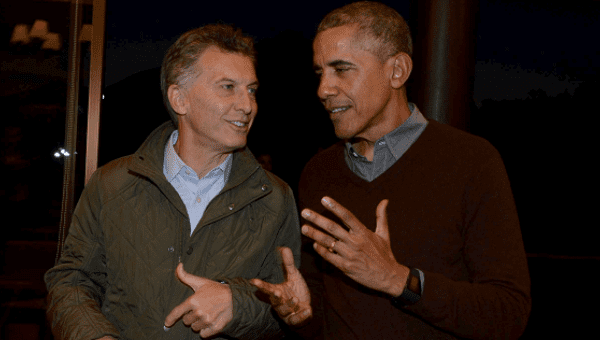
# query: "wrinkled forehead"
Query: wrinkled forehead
{"points": [[340, 43], [216, 63]]}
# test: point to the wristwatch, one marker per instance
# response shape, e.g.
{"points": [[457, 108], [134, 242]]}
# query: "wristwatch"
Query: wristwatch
{"points": [[412, 290]]}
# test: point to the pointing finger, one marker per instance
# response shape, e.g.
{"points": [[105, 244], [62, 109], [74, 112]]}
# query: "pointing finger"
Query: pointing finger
{"points": [[176, 314], [269, 289]]}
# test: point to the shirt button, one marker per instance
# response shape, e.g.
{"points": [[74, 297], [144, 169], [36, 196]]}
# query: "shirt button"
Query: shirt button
{"points": [[264, 187], [171, 249], [231, 206], [190, 251], [198, 199]]}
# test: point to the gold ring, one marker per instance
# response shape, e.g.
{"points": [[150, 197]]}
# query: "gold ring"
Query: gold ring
{"points": [[331, 250]]}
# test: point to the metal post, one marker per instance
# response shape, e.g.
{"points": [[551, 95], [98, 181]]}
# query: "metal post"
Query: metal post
{"points": [[71, 123]]}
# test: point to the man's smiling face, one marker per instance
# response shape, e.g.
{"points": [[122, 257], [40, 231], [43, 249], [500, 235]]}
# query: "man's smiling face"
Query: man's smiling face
{"points": [[221, 100], [354, 85]]}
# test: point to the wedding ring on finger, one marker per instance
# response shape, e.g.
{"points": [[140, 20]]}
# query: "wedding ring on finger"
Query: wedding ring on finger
{"points": [[331, 250]]}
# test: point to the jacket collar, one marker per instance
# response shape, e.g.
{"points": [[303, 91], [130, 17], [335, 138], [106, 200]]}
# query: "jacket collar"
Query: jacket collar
{"points": [[149, 158]]}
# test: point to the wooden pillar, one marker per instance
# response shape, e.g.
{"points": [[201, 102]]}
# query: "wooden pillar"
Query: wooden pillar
{"points": [[96, 82], [444, 35]]}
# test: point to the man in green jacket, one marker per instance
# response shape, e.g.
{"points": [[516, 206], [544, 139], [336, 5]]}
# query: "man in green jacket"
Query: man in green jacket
{"points": [[164, 241]]}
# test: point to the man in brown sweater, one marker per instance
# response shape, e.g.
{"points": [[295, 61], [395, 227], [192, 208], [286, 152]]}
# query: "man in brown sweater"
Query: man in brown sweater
{"points": [[415, 219]]}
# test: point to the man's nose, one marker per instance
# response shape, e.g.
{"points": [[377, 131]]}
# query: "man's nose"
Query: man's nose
{"points": [[245, 102], [327, 88]]}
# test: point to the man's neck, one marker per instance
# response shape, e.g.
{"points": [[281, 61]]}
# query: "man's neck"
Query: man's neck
{"points": [[199, 159], [366, 146]]}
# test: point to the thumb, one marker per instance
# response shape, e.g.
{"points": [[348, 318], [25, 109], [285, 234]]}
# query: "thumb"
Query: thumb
{"points": [[188, 279], [382, 222], [289, 266]]}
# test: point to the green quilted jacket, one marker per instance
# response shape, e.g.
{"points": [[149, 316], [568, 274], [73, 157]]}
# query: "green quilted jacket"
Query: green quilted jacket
{"points": [[117, 273]]}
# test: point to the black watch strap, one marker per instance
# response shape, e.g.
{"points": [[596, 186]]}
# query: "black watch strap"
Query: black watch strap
{"points": [[412, 290]]}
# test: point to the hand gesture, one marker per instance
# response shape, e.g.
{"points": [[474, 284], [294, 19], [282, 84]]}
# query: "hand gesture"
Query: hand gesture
{"points": [[290, 299], [362, 255], [208, 310]]}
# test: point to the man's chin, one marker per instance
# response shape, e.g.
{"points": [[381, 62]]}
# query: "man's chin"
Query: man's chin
{"points": [[232, 146], [343, 134]]}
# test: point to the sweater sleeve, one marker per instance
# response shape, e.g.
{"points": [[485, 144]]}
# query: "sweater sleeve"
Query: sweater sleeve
{"points": [[76, 284], [252, 317], [495, 302]]}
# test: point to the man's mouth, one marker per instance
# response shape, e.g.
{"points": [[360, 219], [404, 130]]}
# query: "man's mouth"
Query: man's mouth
{"points": [[339, 109], [239, 123]]}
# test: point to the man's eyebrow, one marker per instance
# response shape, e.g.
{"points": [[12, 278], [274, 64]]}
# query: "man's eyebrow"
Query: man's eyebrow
{"points": [[339, 62], [254, 83], [334, 64]]}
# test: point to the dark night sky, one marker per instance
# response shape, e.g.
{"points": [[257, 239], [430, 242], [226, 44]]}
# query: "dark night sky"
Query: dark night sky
{"points": [[521, 45], [138, 35], [529, 45]]}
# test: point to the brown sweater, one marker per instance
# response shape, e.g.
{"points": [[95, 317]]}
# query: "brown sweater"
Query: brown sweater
{"points": [[452, 215]]}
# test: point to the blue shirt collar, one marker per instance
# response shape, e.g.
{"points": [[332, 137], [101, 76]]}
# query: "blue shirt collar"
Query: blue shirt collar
{"points": [[173, 164]]}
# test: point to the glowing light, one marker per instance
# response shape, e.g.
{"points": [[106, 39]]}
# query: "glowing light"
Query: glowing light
{"points": [[62, 152], [86, 33], [52, 42], [39, 29], [20, 34]]}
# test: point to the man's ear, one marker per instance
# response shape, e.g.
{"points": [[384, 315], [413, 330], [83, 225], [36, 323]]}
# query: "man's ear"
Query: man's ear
{"points": [[178, 99], [401, 69]]}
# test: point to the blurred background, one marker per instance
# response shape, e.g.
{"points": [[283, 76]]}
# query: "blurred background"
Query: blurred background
{"points": [[521, 74]]}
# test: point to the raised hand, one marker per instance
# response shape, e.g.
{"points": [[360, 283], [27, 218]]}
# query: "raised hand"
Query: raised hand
{"points": [[290, 299], [362, 255], [208, 310]]}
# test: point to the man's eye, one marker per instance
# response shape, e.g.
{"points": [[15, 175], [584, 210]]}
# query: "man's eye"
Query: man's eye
{"points": [[341, 70], [252, 91], [227, 86]]}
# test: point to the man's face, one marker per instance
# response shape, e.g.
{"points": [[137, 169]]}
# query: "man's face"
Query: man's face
{"points": [[354, 87], [221, 101]]}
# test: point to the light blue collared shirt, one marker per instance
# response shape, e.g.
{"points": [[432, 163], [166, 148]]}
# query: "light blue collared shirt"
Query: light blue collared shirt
{"points": [[388, 149], [196, 193]]}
